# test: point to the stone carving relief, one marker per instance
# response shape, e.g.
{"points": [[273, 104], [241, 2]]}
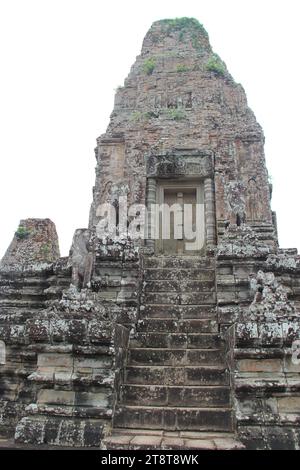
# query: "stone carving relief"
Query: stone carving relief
{"points": [[236, 201], [164, 100], [172, 165], [82, 258], [253, 202], [270, 297]]}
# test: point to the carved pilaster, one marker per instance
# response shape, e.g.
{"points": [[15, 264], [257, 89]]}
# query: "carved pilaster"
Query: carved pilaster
{"points": [[151, 213], [210, 217]]}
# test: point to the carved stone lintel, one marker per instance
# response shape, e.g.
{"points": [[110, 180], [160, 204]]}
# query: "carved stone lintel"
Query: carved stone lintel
{"points": [[180, 164]]}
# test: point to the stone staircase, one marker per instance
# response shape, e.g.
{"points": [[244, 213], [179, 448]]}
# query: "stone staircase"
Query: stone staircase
{"points": [[176, 378]]}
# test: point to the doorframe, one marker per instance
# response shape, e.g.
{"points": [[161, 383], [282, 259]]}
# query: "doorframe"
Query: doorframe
{"points": [[179, 185]]}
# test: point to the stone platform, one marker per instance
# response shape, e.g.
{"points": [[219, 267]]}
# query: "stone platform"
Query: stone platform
{"points": [[137, 439]]}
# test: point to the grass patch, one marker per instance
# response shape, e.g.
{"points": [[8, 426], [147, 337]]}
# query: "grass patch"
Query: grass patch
{"points": [[181, 68], [138, 116], [176, 114]]}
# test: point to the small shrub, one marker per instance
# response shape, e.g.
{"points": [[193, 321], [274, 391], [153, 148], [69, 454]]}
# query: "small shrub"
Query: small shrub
{"points": [[216, 66], [22, 233], [181, 68], [151, 114], [149, 66]]}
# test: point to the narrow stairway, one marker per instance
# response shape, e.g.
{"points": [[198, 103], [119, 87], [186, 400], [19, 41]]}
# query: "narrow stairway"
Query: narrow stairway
{"points": [[176, 380]]}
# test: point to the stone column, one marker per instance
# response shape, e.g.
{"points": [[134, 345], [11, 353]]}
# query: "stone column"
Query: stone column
{"points": [[210, 216], [151, 200]]}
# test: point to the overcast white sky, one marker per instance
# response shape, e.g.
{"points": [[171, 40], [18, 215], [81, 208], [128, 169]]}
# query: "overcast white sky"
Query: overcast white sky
{"points": [[60, 61]]}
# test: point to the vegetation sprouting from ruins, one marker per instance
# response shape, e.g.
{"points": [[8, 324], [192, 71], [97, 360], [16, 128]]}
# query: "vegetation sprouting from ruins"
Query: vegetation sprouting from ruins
{"points": [[45, 249], [176, 114], [181, 68], [215, 65], [183, 24], [22, 233], [149, 66], [138, 116]]}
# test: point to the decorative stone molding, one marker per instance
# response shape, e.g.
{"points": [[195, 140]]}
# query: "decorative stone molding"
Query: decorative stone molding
{"points": [[180, 164]]}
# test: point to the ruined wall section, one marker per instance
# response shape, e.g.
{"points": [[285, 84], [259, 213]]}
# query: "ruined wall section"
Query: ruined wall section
{"points": [[31, 275], [35, 242], [258, 310], [64, 330], [79, 349]]}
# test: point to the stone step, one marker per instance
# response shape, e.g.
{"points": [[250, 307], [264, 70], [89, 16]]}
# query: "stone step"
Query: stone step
{"points": [[22, 303], [53, 292], [200, 419], [178, 262], [149, 439], [23, 283], [175, 357], [9, 312], [10, 292], [186, 285], [288, 251], [184, 375], [161, 395], [174, 298], [60, 280], [159, 325], [178, 311], [169, 274], [177, 340], [88, 412]]}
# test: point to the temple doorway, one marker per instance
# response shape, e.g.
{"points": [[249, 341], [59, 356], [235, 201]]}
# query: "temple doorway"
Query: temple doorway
{"points": [[180, 218]]}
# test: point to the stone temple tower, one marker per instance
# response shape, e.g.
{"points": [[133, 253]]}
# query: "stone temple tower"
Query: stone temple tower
{"points": [[159, 341]]}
